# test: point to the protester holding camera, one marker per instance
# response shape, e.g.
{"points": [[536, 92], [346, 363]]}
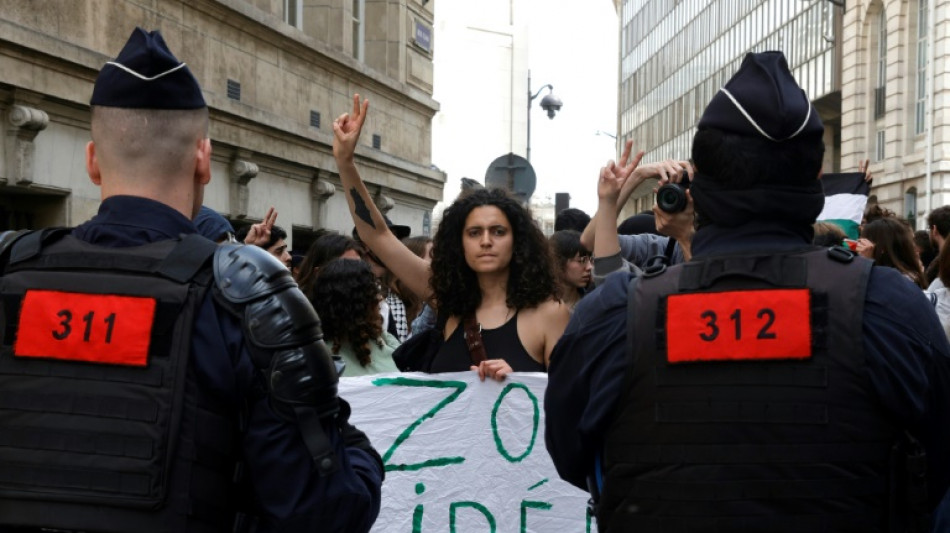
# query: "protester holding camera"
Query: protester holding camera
{"points": [[767, 384], [617, 181]]}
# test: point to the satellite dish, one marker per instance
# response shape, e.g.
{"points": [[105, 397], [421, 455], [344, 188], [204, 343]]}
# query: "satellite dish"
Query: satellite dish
{"points": [[514, 173]]}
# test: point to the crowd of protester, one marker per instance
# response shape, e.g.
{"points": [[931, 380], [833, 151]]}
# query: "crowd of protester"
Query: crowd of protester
{"points": [[491, 294], [566, 263]]}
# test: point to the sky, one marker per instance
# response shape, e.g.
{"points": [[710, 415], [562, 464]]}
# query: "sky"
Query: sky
{"points": [[573, 46]]}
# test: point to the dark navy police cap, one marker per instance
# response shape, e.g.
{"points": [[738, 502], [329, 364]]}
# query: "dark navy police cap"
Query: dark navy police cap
{"points": [[763, 100], [146, 75], [212, 224]]}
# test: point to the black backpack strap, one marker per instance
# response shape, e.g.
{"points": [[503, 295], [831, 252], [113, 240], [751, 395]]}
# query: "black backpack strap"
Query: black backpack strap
{"points": [[668, 252]]}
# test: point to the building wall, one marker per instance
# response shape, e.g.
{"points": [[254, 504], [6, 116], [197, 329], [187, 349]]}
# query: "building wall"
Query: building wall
{"points": [[267, 149], [676, 55], [900, 166]]}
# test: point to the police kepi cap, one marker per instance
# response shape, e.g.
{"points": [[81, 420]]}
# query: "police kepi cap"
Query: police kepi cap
{"points": [[762, 99], [146, 75], [212, 224]]}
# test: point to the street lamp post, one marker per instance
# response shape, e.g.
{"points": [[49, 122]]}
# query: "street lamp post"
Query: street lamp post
{"points": [[549, 103], [612, 136]]}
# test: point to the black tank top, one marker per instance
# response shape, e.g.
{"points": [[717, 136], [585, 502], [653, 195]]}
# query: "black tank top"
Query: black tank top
{"points": [[500, 343]]}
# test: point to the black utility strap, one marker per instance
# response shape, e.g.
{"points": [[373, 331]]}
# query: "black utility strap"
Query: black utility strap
{"points": [[318, 444], [668, 252]]}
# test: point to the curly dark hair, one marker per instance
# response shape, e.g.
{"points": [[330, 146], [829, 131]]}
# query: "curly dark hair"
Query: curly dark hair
{"points": [[325, 248], [532, 277], [346, 297]]}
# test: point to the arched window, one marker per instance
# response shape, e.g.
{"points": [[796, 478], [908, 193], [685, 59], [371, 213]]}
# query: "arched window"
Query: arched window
{"points": [[910, 206]]}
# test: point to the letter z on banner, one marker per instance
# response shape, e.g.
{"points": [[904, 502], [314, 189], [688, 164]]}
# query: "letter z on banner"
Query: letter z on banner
{"points": [[464, 455]]}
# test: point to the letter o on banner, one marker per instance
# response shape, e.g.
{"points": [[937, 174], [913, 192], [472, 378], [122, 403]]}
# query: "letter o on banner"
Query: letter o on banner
{"points": [[536, 418]]}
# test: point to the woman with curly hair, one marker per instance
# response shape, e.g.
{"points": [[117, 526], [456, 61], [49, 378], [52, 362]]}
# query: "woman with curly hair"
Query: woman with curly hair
{"points": [[491, 267], [889, 241], [346, 297], [326, 248]]}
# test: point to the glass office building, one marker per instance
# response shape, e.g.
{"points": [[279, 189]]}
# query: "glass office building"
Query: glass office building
{"points": [[676, 54]]}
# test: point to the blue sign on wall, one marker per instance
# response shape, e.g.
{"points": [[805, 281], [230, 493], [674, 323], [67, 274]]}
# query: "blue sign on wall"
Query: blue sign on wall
{"points": [[423, 36]]}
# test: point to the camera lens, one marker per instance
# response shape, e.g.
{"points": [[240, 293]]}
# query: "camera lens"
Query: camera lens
{"points": [[671, 198]]}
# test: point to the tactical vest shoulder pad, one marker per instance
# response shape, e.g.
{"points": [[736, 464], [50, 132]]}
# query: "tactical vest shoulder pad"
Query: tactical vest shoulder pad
{"points": [[284, 341], [7, 239], [245, 273]]}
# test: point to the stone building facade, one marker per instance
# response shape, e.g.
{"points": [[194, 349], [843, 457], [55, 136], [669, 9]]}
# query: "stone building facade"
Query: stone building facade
{"points": [[275, 73], [895, 100]]}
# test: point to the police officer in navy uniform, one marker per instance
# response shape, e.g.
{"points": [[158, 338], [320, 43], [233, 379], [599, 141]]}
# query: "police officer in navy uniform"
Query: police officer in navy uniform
{"points": [[766, 385], [150, 380]]}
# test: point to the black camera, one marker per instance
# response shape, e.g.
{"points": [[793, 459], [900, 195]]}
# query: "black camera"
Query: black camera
{"points": [[672, 196]]}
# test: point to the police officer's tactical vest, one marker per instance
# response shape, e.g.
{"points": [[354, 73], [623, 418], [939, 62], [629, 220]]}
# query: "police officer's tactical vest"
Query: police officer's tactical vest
{"points": [[102, 427], [747, 404]]}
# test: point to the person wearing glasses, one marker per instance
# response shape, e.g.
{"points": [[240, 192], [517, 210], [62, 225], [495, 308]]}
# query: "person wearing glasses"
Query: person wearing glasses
{"points": [[575, 264]]}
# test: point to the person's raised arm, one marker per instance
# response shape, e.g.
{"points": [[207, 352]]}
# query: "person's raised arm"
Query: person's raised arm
{"points": [[609, 185], [411, 270], [633, 174], [623, 171]]}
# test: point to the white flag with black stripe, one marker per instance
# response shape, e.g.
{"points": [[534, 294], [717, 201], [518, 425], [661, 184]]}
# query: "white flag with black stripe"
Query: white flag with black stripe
{"points": [[846, 195]]}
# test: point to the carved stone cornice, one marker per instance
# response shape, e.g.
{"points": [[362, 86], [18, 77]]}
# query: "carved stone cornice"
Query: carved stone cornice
{"points": [[242, 172], [25, 123]]}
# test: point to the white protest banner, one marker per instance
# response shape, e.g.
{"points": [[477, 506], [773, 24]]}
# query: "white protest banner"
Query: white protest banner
{"points": [[462, 455]]}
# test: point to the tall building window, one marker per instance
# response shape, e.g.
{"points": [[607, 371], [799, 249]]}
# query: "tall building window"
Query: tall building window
{"points": [[293, 11], [358, 13], [879, 145], [880, 95], [920, 107], [910, 206]]}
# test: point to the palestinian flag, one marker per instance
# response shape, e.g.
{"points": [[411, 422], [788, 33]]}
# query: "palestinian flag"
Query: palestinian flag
{"points": [[846, 195]]}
